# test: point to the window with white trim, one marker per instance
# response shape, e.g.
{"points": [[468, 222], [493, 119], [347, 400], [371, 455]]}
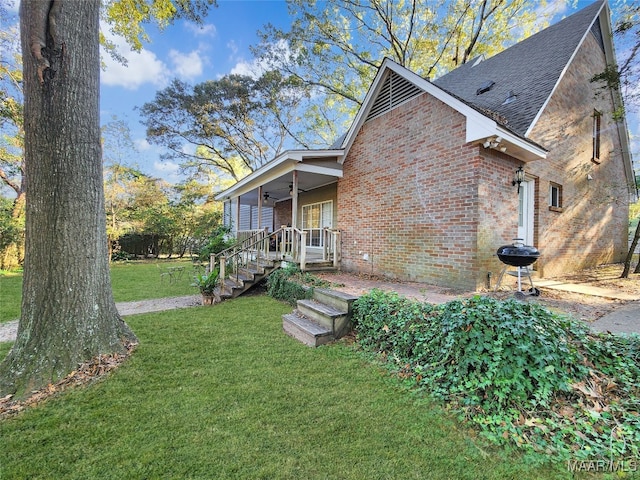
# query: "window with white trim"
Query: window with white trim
{"points": [[555, 196]]}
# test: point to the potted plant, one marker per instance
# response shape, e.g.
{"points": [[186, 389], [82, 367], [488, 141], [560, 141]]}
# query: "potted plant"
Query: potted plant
{"points": [[207, 283]]}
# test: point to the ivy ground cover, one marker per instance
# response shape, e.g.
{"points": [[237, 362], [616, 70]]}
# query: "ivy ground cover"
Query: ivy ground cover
{"points": [[522, 375]]}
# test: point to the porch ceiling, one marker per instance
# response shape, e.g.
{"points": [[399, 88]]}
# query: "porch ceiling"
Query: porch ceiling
{"points": [[314, 169], [278, 189]]}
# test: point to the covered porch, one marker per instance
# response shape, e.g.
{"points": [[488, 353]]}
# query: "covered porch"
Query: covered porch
{"points": [[287, 210]]}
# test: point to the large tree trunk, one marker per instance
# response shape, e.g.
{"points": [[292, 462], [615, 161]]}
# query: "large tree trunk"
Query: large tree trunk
{"points": [[68, 312]]}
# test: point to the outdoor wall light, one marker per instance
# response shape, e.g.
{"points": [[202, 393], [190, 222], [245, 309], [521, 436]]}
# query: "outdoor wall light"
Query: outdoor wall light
{"points": [[518, 178]]}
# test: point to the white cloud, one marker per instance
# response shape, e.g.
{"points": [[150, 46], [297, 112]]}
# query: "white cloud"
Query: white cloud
{"points": [[233, 46], [186, 65], [168, 171], [251, 69], [256, 67], [12, 6], [166, 167], [142, 144], [208, 30], [142, 67]]}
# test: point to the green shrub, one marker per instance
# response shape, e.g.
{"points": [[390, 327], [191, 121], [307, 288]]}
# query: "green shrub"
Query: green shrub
{"points": [[523, 374], [220, 240], [281, 285]]}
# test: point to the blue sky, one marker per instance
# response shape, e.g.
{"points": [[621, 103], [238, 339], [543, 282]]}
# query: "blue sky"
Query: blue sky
{"points": [[189, 52], [194, 54]]}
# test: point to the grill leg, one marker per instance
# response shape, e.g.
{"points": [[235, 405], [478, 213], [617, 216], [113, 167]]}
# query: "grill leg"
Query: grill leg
{"points": [[500, 278]]}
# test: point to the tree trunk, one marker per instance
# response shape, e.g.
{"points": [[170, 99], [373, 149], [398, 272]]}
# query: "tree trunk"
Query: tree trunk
{"points": [[632, 249], [68, 312]]}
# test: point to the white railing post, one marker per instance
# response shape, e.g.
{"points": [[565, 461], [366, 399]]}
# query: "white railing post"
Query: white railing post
{"points": [[303, 250], [283, 240], [223, 267], [265, 243], [335, 246], [325, 244]]}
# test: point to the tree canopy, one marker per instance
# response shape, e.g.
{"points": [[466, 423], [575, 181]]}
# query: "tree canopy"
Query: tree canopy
{"points": [[335, 46], [232, 125]]}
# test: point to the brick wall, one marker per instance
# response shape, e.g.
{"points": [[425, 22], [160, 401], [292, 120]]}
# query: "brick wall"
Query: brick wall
{"points": [[282, 214], [418, 203], [592, 227], [409, 200]]}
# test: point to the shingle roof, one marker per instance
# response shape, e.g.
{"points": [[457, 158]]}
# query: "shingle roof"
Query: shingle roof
{"points": [[530, 69]]}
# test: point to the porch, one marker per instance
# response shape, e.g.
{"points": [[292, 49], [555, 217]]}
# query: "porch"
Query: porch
{"points": [[287, 210], [258, 252]]}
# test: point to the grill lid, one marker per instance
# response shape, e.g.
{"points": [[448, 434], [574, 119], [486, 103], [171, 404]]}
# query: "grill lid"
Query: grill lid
{"points": [[518, 254]]}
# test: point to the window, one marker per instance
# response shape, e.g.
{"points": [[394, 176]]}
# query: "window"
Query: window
{"points": [[597, 119], [555, 197]]}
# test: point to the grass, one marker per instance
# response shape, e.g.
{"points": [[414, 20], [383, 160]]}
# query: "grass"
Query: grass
{"points": [[142, 280], [220, 392], [10, 295], [139, 280]]}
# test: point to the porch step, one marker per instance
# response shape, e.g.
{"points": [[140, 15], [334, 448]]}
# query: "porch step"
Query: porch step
{"points": [[340, 300], [236, 285], [320, 320], [306, 331], [319, 266]]}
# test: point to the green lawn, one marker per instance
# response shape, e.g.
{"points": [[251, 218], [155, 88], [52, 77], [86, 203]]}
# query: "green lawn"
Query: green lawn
{"points": [[10, 295], [131, 281], [221, 392]]}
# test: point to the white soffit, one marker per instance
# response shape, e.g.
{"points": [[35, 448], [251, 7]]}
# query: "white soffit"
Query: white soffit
{"points": [[478, 126]]}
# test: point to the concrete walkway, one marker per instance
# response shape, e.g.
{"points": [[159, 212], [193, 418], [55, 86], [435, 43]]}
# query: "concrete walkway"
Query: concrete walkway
{"points": [[585, 289], [9, 330], [623, 320]]}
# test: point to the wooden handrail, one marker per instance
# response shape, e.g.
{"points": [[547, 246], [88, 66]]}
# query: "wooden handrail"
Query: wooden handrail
{"points": [[289, 241]]}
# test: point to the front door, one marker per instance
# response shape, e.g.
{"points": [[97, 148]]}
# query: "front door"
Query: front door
{"points": [[525, 211], [315, 217]]}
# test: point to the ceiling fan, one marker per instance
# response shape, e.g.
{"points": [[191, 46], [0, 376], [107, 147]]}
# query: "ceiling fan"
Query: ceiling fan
{"points": [[291, 189]]}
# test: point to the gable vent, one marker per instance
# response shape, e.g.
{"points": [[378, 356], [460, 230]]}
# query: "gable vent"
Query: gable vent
{"points": [[395, 91]]}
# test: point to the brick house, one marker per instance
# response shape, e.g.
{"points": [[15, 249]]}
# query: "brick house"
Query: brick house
{"points": [[422, 185]]}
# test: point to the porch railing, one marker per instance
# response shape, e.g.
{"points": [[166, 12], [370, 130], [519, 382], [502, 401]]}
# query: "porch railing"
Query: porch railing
{"points": [[287, 243], [332, 246]]}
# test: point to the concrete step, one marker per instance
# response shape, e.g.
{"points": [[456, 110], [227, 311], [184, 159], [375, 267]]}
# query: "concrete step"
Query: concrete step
{"points": [[339, 300], [305, 330], [323, 314]]}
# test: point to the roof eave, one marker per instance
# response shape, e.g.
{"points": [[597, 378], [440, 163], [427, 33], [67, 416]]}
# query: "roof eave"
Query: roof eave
{"points": [[478, 127], [282, 164]]}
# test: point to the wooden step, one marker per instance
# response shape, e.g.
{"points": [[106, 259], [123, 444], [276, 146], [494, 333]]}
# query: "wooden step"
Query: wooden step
{"points": [[305, 330], [319, 266]]}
